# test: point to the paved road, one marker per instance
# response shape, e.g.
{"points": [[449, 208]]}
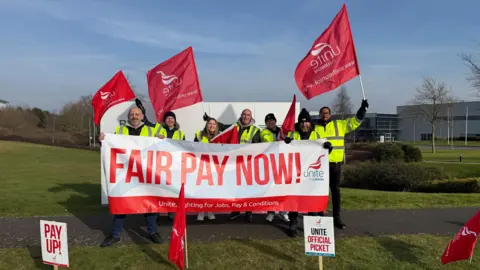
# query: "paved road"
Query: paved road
{"points": [[90, 231]]}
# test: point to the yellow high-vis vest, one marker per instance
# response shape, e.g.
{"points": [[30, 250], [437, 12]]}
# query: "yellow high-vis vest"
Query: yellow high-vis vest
{"points": [[335, 132], [146, 131], [296, 136], [267, 136], [247, 135], [177, 135], [201, 138]]}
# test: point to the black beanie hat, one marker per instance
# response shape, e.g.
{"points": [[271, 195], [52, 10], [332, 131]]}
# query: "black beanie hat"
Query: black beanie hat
{"points": [[304, 116], [270, 116], [167, 114]]}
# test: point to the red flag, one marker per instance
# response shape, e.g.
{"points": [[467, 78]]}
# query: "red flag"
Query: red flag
{"points": [[331, 61], [115, 91], [289, 122], [174, 84], [461, 247], [176, 251], [228, 136]]}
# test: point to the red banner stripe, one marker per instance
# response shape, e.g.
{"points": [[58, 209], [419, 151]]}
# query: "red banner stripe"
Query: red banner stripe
{"points": [[154, 204]]}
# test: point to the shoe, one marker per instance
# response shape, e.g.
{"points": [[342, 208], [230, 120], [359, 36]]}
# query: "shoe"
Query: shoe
{"points": [[234, 215], [270, 217], [292, 233], [201, 216], [210, 216], [284, 216], [338, 223], [155, 237], [249, 217], [110, 241]]}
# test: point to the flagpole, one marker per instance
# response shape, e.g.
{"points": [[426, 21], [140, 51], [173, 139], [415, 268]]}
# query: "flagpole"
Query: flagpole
{"points": [[361, 86], [186, 249]]}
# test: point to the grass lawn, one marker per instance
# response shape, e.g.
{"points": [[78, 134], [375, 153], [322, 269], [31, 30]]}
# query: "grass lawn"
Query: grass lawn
{"points": [[59, 181], [386, 252], [446, 155]]}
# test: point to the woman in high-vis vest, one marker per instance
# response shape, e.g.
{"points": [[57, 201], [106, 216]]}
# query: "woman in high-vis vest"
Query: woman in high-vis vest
{"points": [[205, 136]]}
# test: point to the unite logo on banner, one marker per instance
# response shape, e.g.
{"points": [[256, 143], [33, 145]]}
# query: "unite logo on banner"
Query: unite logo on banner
{"points": [[171, 82], [314, 172], [324, 56]]}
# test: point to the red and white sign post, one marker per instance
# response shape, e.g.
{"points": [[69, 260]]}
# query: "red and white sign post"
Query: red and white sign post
{"points": [[54, 243]]}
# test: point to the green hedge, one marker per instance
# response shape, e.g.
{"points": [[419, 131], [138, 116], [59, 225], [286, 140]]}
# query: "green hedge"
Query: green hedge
{"points": [[469, 185], [388, 152], [389, 176]]}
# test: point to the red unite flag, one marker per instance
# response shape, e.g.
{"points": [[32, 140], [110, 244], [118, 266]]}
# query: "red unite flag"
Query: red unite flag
{"points": [[115, 91], [176, 251], [462, 245], [331, 61], [174, 84], [289, 122], [228, 136]]}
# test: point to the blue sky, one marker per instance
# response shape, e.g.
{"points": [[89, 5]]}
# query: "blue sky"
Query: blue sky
{"points": [[52, 52]]}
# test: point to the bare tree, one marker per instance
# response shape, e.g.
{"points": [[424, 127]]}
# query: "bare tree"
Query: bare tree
{"points": [[474, 77], [342, 105], [430, 99]]}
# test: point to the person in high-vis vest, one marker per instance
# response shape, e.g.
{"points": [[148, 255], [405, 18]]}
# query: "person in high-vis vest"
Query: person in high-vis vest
{"points": [[247, 133], [205, 136], [134, 127], [272, 134], [169, 129], [334, 131], [304, 130]]}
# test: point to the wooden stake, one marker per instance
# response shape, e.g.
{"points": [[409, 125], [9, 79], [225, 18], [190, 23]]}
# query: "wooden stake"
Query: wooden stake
{"points": [[320, 262], [55, 267], [186, 250]]}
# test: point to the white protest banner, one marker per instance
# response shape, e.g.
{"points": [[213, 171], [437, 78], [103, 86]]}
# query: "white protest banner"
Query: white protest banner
{"points": [[319, 236], [144, 175], [53, 237]]}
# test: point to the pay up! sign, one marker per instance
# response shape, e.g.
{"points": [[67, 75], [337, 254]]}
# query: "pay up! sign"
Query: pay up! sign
{"points": [[319, 236], [54, 243]]}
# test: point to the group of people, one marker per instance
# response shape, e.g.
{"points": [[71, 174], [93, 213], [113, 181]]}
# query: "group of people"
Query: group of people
{"points": [[334, 130]]}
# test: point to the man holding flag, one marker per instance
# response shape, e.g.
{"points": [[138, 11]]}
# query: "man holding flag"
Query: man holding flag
{"points": [[330, 62]]}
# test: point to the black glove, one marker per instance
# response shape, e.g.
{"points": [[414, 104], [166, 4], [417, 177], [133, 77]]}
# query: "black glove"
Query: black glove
{"points": [[140, 105], [328, 145], [206, 117], [364, 104], [287, 140]]}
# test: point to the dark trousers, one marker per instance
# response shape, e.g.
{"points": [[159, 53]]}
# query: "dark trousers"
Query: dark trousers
{"points": [[335, 174], [119, 221], [334, 182], [238, 213]]}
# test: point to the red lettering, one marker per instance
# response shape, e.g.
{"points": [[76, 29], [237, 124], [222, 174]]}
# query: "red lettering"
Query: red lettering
{"points": [[204, 167], [135, 160], [56, 245], [298, 166], [185, 170], [319, 248], [282, 171], [58, 230], [48, 243], [247, 171], [159, 167], [220, 168], [46, 229], [114, 166], [149, 171], [266, 173]]}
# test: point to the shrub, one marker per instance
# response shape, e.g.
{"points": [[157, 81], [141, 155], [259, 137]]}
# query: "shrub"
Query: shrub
{"points": [[388, 176], [387, 152], [411, 153], [468, 185]]}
